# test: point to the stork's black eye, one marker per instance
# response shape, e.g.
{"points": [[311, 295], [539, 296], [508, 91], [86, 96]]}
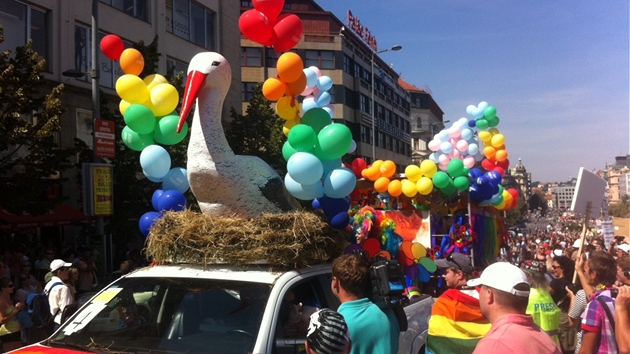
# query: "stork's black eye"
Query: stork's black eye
{"points": [[216, 63]]}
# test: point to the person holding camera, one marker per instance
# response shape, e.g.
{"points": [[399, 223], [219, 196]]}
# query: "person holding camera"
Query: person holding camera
{"points": [[456, 323], [372, 329]]}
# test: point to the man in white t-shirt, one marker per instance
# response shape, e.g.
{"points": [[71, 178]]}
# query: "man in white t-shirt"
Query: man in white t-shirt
{"points": [[59, 295]]}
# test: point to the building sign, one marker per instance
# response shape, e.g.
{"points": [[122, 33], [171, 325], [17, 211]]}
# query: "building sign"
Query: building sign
{"points": [[98, 189], [355, 25], [105, 138]]}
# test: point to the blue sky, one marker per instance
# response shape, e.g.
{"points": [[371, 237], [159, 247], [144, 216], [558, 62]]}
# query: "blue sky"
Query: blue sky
{"points": [[557, 71]]}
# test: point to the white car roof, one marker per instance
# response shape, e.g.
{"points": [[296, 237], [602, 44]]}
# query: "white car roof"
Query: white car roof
{"points": [[249, 273]]}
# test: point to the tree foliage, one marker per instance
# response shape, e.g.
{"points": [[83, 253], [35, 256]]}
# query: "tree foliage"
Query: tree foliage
{"points": [[30, 154], [515, 214], [258, 132], [621, 209]]}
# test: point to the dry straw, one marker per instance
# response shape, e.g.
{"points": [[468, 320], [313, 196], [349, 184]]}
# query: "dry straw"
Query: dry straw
{"points": [[280, 240]]}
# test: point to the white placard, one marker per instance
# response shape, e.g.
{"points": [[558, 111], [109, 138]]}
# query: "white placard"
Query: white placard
{"points": [[589, 188], [609, 232]]}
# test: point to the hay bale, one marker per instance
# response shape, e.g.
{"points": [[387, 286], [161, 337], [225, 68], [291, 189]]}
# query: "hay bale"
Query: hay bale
{"points": [[281, 240]]}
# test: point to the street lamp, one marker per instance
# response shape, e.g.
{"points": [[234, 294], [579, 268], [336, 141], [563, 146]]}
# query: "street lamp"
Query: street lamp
{"points": [[394, 48], [96, 105]]}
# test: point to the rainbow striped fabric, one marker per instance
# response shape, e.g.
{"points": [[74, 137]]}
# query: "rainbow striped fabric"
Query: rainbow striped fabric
{"points": [[456, 324]]}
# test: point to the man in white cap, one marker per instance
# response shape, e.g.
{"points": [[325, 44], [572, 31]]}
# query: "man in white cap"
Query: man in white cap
{"points": [[503, 299], [59, 295]]}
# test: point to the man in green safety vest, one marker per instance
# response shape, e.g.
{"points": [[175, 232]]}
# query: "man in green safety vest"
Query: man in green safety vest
{"points": [[541, 306]]}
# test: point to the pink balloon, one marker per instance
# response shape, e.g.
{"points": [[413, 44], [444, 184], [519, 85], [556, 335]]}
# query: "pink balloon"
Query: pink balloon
{"points": [[307, 91], [454, 154], [455, 132], [443, 166], [443, 159], [462, 145], [434, 145], [316, 91], [469, 161]]}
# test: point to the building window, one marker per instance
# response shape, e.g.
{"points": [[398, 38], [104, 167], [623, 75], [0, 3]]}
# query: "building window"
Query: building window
{"points": [[250, 56], [348, 65], [364, 104], [136, 8], [247, 91], [357, 70], [364, 134], [380, 140], [380, 111], [22, 22], [349, 98], [395, 145], [191, 22], [272, 58], [323, 59], [177, 67], [110, 70], [388, 142]]}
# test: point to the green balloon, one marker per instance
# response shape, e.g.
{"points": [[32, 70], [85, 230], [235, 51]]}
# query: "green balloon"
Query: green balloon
{"points": [[449, 189], [441, 179], [288, 150], [455, 168], [499, 200], [493, 122], [316, 118], [302, 137], [461, 183], [334, 141], [490, 112], [482, 124], [465, 172], [166, 130], [135, 141], [140, 119]]}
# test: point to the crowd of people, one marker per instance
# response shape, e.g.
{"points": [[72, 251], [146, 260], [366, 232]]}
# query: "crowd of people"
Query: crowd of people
{"points": [[62, 274]]}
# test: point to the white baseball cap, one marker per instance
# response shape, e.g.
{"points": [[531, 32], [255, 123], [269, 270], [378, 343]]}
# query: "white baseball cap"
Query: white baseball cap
{"points": [[577, 242], [58, 264], [624, 247], [502, 276]]}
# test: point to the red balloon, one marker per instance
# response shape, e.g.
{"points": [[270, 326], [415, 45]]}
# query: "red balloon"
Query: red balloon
{"points": [[271, 8], [500, 170], [513, 192], [255, 26], [358, 165], [372, 246], [287, 32], [504, 164], [488, 165], [112, 46]]}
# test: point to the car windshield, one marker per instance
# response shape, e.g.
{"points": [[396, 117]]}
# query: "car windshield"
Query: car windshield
{"points": [[169, 315]]}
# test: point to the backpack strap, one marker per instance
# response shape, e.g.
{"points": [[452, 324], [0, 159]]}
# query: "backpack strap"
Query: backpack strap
{"points": [[611, 319]]}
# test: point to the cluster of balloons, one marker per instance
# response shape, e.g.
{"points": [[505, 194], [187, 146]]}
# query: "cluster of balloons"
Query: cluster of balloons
{"points": [[455, 143], [486, 189], [162, 201], [148, 107], [486, 120], [265, 25]]}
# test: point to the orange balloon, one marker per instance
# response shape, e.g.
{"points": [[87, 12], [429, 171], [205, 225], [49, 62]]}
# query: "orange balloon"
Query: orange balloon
{"points": [[395, 188], [131, 61], [296, 87], [489, 152], [501, 155], [371, 173], [381, 184], [273, 89], [290, 67], [388, 168]]}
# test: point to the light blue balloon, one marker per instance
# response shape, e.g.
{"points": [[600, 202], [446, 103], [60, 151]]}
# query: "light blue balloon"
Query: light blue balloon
{"points": [[330, 165], [463, 122], [339, 183], [473, 149], [467, 133], [309, 103], [479, 157], [311, 77], [155, 161], [324, 83], [305, 168], [152, 179], [352, 147], [323, 99], [444, 136], [446, 147], [329, 110], [434, 157], [177, 179], [303, 192]]}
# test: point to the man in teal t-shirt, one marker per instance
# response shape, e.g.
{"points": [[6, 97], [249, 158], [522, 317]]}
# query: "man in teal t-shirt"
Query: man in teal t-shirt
{"points": [[372, 329]]}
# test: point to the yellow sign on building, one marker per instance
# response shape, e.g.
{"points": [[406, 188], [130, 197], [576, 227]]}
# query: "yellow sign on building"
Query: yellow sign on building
{"points": [[103, 190]]}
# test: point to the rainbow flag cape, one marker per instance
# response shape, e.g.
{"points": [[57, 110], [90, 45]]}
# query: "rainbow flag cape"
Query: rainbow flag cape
{"points": [[456, 324]]}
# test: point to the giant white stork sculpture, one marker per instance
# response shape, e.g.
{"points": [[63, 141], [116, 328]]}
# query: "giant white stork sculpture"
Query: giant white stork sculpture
{"points": [[224, 184]]}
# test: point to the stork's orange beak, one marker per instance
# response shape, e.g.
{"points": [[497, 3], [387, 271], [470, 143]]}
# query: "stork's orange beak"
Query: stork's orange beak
{"points": [[196, 80]]}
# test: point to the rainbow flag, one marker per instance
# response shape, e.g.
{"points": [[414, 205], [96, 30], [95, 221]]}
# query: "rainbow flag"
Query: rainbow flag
{"points": [[456, 324]]}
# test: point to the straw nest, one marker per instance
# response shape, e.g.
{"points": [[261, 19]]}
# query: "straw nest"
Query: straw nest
{"points": [[281, 240]]}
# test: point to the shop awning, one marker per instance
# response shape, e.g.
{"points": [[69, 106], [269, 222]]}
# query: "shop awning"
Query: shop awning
{"points": [[59, 216]]}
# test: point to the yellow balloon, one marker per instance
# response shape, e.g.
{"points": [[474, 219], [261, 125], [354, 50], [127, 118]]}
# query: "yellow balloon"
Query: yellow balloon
{"points": [[122, 106], [502, 205], [164, 98], [413, 173], [154, 79], [507, 197], [493, 131], [424, 186], [485, 136], [428, 168], [498, 140], [132, 89], [395, 188], [286, 128], [409, 188], [418, 250], [287, 108]]}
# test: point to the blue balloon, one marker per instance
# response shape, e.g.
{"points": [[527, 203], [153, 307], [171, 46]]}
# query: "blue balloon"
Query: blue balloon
{"points": [[444, 136], [303, 192], [473, 149], [311, 77], [472, 123], [494, 177], [330, 165], [147, 220], [305, 168], [424, 274], [446, 147], [329, 111], [155, 161], [323, 99], [316, 204], [156, 196], [475, 173], [177, 179], [334, 206], [466, 134], [435, 157], [172, 200], [150, 178], [473, 191], [324, 83], [309, 103], [482, 180], [340, 221], [339, 183]]}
